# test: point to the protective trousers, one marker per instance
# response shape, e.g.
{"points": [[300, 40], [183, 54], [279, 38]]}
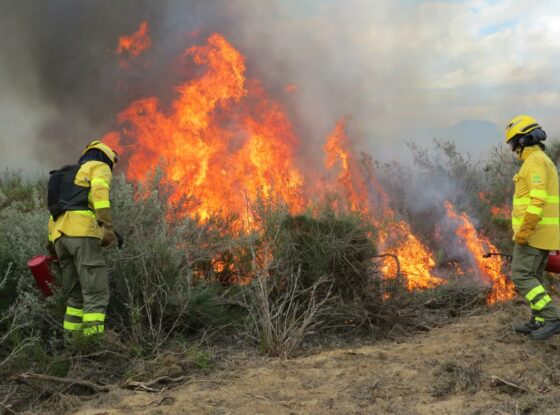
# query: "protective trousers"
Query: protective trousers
{"points": [[85, 282], [527, 270]]}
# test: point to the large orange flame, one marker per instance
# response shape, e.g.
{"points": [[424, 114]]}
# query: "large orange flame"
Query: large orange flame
{"points": [[222, 141], [489, 269]]}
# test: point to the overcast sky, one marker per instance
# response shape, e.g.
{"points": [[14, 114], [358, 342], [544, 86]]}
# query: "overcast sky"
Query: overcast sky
{"points": [[398, 69]]}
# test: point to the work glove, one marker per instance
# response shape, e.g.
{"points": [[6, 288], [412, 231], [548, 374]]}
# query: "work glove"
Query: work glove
{"points": [[105, 220], [530, 221], [104, 217], [109, 238], [50, 248]]}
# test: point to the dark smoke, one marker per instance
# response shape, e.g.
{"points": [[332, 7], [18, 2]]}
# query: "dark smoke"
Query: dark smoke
{"points": [[59, 71], [58, 61]]}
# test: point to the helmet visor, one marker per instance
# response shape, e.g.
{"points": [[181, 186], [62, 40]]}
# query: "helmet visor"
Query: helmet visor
{"points": [[514, 143]]}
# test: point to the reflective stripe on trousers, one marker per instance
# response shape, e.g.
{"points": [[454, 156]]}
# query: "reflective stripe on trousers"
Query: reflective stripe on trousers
{"points": [[73, 319], [94, 323]]}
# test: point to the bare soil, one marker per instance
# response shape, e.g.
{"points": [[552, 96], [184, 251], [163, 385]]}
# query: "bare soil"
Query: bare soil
{"points": [[475, 365]]}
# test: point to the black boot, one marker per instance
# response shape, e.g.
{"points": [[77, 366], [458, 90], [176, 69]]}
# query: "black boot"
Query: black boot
{"points": [[529, 327], [548, 329]]}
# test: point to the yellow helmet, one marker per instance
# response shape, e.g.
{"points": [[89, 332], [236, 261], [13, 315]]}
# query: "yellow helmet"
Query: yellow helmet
{"points": [[109, 152], [520, 125]]}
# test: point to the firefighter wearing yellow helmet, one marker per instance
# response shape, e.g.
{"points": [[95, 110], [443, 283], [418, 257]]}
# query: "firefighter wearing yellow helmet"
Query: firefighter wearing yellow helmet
{"points": [[535, 222], [80, 224]]}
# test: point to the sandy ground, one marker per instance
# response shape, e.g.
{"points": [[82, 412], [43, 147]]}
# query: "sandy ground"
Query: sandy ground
{"points": [[474, 366]]}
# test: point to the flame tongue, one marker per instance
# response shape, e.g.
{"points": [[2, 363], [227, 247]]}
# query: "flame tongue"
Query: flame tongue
{"points": [[415, 259], [489, 269], [350, 179], [498, 212], [132, 46]]}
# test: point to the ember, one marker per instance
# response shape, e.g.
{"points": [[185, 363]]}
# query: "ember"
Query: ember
{"points": [[134, 45]]}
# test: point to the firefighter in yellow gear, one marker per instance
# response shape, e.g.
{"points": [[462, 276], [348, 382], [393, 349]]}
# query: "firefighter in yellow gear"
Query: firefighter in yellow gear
{"points": [[536, 224], [79, 226]]}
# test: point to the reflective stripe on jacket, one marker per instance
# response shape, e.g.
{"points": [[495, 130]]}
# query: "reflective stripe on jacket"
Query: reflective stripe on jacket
{"points": [[536, 192], [97, 176]]}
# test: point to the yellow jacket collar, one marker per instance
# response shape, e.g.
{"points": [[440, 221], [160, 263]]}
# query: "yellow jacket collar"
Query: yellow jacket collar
{"points": [[527, 151]]}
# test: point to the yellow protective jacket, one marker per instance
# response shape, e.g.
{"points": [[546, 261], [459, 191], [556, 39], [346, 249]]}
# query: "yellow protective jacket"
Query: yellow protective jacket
{"points": [[97, 176], [536, 192]]}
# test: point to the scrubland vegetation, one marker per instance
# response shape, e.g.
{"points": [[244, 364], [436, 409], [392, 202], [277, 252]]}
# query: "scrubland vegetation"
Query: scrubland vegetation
{"points": [[180, 289]]}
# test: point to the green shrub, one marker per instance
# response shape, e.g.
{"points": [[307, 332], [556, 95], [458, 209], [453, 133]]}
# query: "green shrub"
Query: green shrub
{"points": [[337, 248], [155, 292], [311, 273]]}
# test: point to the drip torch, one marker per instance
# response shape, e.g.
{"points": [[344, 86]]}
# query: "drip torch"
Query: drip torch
{"points": [[553, 264], [39, 267]]}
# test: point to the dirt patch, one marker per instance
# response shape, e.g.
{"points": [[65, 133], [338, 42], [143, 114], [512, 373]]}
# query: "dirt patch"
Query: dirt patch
{"points": [[474, 366]]}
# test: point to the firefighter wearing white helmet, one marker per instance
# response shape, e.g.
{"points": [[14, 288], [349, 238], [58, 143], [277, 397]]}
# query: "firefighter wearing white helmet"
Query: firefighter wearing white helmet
{"points": [[80, 224], [535, 222]]}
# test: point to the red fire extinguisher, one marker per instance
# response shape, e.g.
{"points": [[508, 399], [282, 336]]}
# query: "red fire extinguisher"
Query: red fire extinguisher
{"points": [[553, 264], [39, 266]]}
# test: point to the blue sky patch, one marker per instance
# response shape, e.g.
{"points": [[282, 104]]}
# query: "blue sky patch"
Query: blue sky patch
{"points": [[499, 27]]}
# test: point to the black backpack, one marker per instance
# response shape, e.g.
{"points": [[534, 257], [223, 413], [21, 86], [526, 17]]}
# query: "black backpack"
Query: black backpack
{"points": [[63, 195]]}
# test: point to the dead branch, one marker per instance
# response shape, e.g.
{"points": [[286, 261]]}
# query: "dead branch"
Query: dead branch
{"points": [[132, 384], [469, 304], [496, 381], [104, 352], [5, 278], [129, 383], [25, 377], [7, 408], [147, 386], [396, 258]]}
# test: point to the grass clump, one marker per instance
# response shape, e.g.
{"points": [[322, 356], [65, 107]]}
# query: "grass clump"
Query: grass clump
{"points": [[453, 376]]}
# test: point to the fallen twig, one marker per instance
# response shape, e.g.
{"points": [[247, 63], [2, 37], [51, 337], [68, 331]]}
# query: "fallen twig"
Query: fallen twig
{"points": [[7, 408], [497, 381], [286, 404], [470, 303], [147, 386], [129, 383], [104, 352], [422, 327], [25, 377]]}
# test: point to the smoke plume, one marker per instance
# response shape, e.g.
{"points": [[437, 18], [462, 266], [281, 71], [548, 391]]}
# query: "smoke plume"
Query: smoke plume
{"points": [[63, 86], [390, 67]]}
